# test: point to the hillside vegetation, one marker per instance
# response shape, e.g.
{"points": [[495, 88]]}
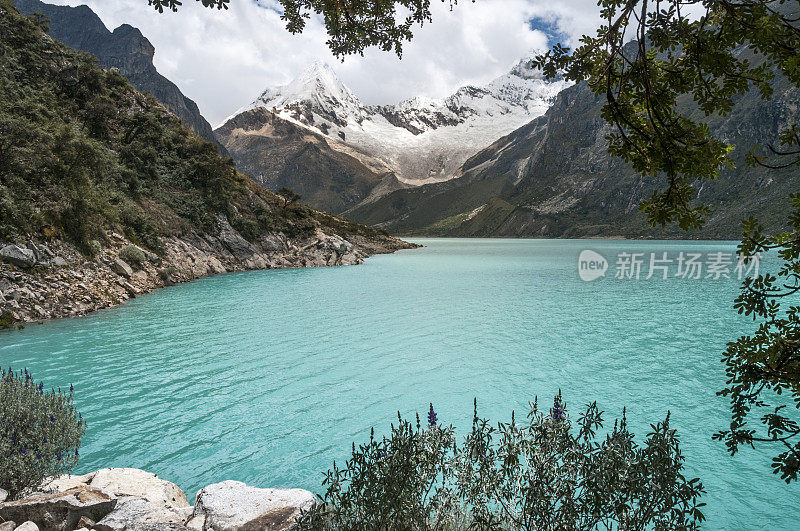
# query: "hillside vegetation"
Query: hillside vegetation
{"points": [[125, 49], [83, 154]]}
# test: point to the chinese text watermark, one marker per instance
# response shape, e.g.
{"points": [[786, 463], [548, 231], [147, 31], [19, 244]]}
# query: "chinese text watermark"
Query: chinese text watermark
{"points": [[663, 264]]}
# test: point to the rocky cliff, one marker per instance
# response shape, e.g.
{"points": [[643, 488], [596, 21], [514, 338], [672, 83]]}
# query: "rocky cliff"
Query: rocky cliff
{"points": [[41, 280], [125, 49]]}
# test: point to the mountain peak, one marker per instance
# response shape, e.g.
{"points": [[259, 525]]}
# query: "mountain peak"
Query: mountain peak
{"points": [[317, 89], [316, 84], [319, 77]]}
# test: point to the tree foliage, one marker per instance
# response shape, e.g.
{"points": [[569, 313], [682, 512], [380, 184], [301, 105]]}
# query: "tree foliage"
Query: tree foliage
{"points": [[546, 472], [289, 196], [763, 368], [352, 25], [648, 60], [704, 51], [40, 432]]}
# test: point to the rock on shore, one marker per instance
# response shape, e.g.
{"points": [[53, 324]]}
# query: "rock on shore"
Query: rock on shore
{"points": [[47, 280], [127, 499]]}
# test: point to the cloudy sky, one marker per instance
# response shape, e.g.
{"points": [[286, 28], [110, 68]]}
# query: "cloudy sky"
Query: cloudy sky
{"points": [[224, 59]]}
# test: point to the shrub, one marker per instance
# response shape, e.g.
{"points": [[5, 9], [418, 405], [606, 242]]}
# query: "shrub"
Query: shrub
{"points": [[40, 432], [6, 320], [133, 255], [544, 473], [93, 248]]}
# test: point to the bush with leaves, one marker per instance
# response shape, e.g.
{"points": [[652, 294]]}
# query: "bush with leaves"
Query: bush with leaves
{"points": [[132, 255], [547, 472], [40, 432]]}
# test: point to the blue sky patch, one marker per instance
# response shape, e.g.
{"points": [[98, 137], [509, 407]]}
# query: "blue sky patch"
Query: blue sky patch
{"points": [[549, 28]]}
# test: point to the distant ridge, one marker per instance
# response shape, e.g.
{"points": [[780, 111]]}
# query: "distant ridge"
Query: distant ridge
{"points": [[554, 178]]}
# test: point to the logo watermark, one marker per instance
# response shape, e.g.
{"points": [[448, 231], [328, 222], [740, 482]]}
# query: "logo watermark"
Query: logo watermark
{"points": [[684, 265], [591, 265]]}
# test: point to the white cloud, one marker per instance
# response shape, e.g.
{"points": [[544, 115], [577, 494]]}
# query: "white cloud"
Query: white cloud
{"points": [[224, 59]]}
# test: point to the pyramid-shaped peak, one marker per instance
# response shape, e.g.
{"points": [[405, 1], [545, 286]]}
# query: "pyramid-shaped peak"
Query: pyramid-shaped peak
{"points": [[319, 66], [320, 74], [318, 89], [318, 81]]}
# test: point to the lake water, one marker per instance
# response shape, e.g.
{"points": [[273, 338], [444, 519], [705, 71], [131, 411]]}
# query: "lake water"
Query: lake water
{"points": [[267, 376]]}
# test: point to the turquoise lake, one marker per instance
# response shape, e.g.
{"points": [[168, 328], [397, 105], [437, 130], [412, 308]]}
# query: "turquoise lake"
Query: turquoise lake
{"points": [[268, 376]]}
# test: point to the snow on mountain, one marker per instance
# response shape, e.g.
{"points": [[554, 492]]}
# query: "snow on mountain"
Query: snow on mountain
{"points": [[421, 139]]}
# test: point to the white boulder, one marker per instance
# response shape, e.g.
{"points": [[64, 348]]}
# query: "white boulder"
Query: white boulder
{"points": [[133, 514], [235, 506], [121, 267], [126, 482]]}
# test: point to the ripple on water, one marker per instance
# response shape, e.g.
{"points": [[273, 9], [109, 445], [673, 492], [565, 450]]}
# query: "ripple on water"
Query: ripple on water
{"points": [[266, 377]]}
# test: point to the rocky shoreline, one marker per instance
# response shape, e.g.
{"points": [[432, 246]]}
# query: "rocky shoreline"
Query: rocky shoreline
{"points": [[128, 499], [42, 280]]}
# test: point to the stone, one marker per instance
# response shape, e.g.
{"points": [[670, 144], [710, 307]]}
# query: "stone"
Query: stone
{"points": [[215, 266], [122, 482], [271, 243], [153, 258], [86, 523], [138, 513], [233, 241], [66, 482], [197, 523], [141, 484], [339, 245], [18, 256], [60, 511], [256, 261], [46, 250], [28, 526], [8, 526], [121, 267], [235, 506], [58, 261], [3, 495]]}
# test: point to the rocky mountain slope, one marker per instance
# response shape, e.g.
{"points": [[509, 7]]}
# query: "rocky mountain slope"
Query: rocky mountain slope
{"points": [[420, 140], [278, 153], [554, 178], [105, 194], [125, 49]]}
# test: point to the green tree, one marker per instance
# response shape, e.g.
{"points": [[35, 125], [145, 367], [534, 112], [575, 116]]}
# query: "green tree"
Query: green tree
{"points": [[289, 196], [352, 25], [654, 62]]}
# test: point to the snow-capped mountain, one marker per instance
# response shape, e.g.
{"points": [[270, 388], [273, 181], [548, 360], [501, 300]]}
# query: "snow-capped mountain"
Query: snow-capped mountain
{"points": [[421, 139]]}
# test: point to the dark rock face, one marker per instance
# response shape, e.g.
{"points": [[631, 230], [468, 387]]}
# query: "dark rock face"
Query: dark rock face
{"points": [[125, 49]]}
